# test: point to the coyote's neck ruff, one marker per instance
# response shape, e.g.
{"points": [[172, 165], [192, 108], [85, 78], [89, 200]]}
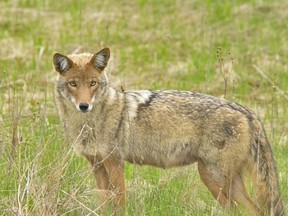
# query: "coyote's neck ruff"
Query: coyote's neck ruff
{"points": [[163, 128]]}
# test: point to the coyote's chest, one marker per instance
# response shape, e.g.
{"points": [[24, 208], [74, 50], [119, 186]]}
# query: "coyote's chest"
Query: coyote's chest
{"points": [[82, 134]]}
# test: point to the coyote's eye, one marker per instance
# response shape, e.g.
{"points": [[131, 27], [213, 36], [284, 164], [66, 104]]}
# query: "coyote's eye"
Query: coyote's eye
{"points": [[72, 83], [93, 83]]}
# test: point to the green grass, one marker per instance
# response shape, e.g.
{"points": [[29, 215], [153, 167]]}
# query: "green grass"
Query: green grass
{"points": [[155, 44]]}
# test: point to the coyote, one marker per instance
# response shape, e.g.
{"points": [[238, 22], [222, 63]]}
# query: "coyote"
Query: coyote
{"points": [[163, 128]]}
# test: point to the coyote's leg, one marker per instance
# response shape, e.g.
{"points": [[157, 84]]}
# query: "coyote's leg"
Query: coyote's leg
{"points": [[217, 191], [109, 176], [115, 170], [101, 177], [234, 189], [241, 196]]}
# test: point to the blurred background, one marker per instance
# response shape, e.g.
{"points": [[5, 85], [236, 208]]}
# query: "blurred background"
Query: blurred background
{"points": [[232, 49]]}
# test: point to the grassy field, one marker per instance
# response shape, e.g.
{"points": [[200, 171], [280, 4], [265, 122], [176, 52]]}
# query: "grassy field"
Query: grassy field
{"points": [[234, 49]]}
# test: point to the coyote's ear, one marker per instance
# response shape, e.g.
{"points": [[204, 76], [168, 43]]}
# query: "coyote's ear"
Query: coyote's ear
{"points": [[61, 62], [100, 59]]}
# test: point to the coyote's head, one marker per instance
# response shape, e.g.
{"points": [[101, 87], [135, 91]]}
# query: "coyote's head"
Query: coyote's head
{"points": [[82, 77]]}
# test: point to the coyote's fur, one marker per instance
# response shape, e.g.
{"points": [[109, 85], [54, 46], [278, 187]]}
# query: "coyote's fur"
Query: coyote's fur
{"points": [[163, 128]]}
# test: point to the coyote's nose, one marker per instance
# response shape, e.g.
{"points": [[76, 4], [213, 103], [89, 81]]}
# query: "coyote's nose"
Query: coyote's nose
{"points": [[84, 107]]}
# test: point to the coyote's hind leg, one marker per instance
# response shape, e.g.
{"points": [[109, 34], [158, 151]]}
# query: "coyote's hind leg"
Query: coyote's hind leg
{"points": [[241, 196], [217, 190], [228, 191]]}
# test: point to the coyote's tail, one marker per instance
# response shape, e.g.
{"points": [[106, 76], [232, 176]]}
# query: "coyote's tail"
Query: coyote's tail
{"points": [[265, 174]]}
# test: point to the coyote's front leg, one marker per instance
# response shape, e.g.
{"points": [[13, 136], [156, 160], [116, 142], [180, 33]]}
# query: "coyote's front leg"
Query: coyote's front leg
{"points": [[109, 176], [101, 177], [115, 169]]}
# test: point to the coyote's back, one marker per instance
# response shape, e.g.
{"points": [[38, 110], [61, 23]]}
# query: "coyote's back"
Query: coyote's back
{"points": [[165, 129]]}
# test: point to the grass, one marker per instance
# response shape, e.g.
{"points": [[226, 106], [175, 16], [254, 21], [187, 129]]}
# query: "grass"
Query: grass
{"points": [[155, 44]]}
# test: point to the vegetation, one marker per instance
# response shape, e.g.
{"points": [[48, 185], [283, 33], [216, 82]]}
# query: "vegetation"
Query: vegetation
{"points": [[233, 49]]}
